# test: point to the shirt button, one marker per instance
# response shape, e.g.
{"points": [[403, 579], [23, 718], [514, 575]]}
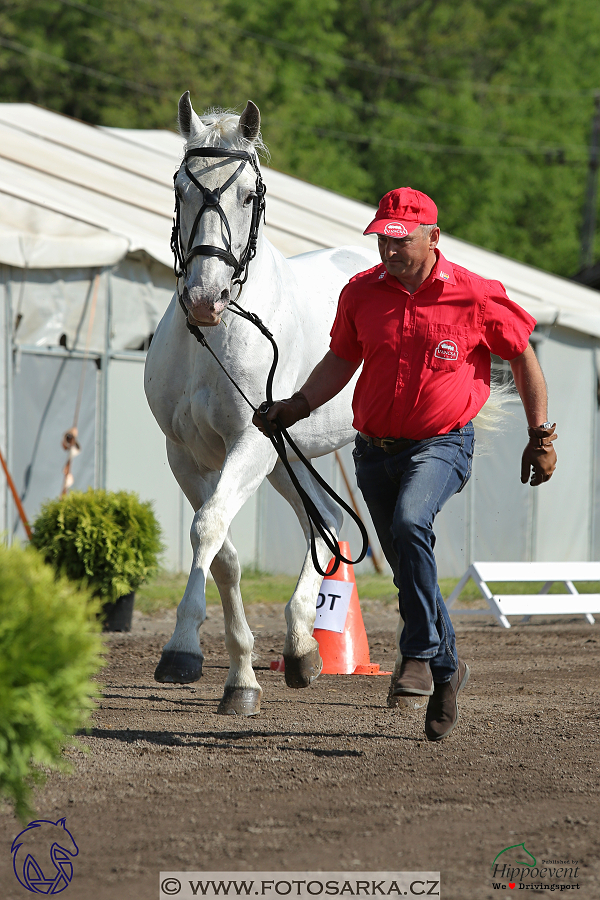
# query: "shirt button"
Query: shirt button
{"points": [[405, 355]]}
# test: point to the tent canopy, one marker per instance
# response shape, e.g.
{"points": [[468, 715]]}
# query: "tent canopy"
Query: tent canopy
{"points": [[75, 195]]}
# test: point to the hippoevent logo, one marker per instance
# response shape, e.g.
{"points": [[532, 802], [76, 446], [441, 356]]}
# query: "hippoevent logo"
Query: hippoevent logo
{"points": [[516, 868], [42, 855]]}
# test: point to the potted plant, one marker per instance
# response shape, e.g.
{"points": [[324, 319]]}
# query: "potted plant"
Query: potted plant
{"points": [[110, 541]]}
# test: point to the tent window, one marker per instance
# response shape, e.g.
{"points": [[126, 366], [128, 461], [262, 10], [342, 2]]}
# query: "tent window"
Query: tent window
{"points": [[502, 373]]}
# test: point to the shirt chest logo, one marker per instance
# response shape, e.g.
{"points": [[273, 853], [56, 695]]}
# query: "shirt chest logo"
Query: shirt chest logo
{"points": [[395, 229], [446, 350]]}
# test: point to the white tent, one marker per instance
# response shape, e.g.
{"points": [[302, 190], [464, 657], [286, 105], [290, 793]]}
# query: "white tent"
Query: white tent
{"points": [[85, 220]]}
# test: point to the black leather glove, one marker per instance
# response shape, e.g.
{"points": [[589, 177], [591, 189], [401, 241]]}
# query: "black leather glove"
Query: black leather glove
{"points": [[539, 455], [288, 412]]}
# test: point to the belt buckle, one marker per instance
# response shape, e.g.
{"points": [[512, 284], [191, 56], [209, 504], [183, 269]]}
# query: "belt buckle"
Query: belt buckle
{"points": [[387, 444]]}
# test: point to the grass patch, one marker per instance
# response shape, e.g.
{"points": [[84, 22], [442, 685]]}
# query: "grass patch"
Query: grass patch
{"points": [[166, 590]]}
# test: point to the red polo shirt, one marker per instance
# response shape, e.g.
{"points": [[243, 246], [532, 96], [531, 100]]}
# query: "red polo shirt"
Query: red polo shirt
{"points": [[426, 355]]}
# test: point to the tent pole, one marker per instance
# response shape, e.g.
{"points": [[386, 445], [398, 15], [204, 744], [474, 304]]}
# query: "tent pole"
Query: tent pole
{"points": [[103, 443]]}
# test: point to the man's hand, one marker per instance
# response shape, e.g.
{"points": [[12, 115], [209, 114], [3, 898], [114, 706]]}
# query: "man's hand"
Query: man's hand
{"points": [[539, 455], [288, 412]]}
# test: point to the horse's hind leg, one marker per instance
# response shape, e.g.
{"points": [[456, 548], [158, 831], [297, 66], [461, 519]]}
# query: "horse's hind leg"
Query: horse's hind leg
{"points": [[242, 691], [301, 655]]}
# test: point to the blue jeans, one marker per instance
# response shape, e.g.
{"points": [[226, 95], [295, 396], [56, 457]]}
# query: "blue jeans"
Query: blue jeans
{"points": [[404, 493]]}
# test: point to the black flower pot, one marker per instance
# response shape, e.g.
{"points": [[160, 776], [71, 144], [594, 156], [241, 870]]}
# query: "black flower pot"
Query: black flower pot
{"points": [[117, 616]]}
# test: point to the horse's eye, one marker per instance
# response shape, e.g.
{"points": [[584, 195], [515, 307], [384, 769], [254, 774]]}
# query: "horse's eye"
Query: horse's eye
{"points": [[249, 199]]}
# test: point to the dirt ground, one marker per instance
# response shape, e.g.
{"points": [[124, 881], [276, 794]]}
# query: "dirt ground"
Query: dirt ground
{"points": [[329, 778]]}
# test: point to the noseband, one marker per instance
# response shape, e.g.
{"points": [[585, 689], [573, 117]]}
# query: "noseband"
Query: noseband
{"points": [[211, 200]]}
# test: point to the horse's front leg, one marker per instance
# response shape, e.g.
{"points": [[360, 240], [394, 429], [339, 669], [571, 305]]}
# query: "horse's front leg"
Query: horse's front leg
{"points": [[301, 655], [246, 465], [242, 692]]}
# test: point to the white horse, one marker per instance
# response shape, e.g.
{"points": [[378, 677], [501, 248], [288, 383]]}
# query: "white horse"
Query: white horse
{"points": [[218, 457]]}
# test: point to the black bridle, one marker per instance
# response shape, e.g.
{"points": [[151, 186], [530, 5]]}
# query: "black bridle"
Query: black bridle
{"points": [[211, 200], [277, 434]]}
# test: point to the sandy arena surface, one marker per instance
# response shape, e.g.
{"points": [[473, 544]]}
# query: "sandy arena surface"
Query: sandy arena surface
{"points": [[328, 778]]}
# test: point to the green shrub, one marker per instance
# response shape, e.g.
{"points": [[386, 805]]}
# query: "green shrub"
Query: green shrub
{"points": [[110, 541], [49, 649]]}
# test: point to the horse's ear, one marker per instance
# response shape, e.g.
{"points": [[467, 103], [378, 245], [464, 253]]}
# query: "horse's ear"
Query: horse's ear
{"points": [[187, 118], [250, 121]]}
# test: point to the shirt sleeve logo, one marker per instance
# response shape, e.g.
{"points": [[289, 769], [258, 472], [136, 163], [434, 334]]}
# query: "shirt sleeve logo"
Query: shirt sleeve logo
{"points": [[395, 229], [446, 350]]}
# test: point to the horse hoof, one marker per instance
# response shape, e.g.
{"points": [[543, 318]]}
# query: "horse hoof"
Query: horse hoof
{"points": [[178, 667], [300, 671], [238, 701]]}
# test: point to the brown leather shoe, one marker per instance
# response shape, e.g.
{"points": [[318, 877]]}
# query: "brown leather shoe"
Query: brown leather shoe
{"points": [[415, 678], [442, 710]]}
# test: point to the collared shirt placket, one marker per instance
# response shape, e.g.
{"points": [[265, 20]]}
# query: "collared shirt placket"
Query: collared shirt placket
{"points": [[404, 363]]}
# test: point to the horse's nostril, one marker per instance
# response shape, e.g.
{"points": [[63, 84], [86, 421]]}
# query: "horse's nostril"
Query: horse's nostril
{"points": [[225, 295]]}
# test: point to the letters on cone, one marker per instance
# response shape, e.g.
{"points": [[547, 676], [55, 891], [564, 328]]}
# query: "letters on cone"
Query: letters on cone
{"points": [[339, 627]]}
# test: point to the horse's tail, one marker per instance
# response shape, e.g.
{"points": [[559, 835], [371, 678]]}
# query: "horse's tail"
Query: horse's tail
{"points": [[491, 418]]}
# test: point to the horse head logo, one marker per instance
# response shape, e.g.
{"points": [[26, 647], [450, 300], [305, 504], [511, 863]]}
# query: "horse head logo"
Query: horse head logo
{"points": [[519, 850], [42, 856]]}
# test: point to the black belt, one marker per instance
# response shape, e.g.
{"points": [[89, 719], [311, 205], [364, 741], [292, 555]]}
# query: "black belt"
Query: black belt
{"points": [[390, 445]]}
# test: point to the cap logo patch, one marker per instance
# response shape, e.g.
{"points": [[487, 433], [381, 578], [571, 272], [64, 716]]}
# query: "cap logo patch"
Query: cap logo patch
{"points": [[446, 350], [395, 229]]}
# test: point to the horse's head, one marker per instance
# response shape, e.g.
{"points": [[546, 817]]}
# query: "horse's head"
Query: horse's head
{"points": [[219, 202]]}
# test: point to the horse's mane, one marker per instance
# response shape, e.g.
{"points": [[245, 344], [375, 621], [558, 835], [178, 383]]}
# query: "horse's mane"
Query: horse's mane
{"points": [[221, 130]]}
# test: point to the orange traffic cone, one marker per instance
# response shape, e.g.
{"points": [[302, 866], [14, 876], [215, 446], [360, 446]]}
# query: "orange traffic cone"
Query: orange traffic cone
{"points": [[339, 627], [341, 633]]}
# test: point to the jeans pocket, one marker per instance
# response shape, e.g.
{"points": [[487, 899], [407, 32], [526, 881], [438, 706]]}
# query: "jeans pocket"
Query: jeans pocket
{"points": [[360, 448], [467, 474]]}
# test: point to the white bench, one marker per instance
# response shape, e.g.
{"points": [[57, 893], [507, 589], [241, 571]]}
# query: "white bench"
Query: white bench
{"points": [[526, 605]]}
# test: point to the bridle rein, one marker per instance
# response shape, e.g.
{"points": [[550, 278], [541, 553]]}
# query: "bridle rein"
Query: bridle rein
{"points": [[211, 201]]}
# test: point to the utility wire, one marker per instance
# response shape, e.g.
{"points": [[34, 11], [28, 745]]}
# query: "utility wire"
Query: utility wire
{"points": [[542, 149], [398, 74], [325, 132], [372, 107], [430, 147], [389, 111], [86, 70]]}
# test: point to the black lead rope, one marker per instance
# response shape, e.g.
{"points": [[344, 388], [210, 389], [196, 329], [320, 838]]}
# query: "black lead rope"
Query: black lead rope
{"points": [[278, 436], [211, 201]]}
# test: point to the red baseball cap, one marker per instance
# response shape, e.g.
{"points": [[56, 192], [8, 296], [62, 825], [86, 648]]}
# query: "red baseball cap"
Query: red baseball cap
{"points": [[401, 211]]}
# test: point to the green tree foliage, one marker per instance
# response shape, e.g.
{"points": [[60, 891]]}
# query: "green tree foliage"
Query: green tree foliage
{"points": [[107, 540], [484, 104], [49, 650]]}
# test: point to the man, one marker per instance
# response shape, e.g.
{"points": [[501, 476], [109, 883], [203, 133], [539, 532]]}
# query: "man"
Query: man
{"points": [[424, 329]]}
